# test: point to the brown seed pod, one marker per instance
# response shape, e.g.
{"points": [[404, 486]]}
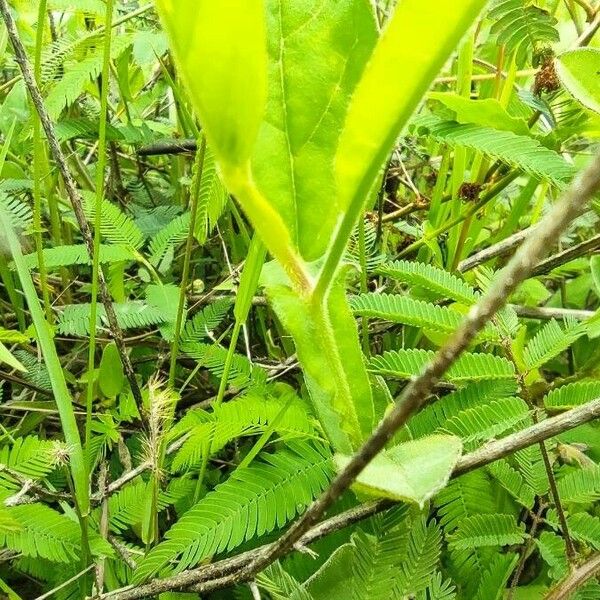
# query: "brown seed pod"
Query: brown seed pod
{"points": [[469, 191], [546, 79]]}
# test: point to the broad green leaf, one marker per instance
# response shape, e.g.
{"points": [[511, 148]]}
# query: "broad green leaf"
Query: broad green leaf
{"points": [[417, 41], [488, 112], [578, 71], [7, 358], [164, 298], [413, 471], [317, 53], [221, 51], [111, 376], [308, 68], [328, 349]]}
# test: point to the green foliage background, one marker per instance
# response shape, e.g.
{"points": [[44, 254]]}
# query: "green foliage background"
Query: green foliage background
{"points": [[244, 420]]}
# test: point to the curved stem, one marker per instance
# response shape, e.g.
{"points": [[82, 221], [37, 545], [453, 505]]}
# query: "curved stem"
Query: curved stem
{"points": [[100, 168], [197, 182]]}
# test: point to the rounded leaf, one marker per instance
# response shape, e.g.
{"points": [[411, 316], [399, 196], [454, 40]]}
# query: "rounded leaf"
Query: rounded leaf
{"points": [[579, 72]]}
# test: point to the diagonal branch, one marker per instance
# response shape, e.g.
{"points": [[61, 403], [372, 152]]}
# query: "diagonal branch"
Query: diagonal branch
{"points": [[546, 234], [556, 260], [502, 248], [227, 572], [71, 188], [576, 579]]}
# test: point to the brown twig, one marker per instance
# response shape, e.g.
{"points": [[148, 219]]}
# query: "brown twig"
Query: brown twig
{"points": [[26, 384], [502, 248], [527, 547], [571, 205], [576, 579], [560, 258], [71, 189], [168, 147], [545, 313], [216, 573]]}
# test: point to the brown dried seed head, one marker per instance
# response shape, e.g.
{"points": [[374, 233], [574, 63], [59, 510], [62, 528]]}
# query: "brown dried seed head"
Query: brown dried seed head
{"points": [[546, 79], [469, 191]]}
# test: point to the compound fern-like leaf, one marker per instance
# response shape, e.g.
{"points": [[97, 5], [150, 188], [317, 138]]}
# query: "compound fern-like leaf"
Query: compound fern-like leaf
{"points": [[252, 502]]}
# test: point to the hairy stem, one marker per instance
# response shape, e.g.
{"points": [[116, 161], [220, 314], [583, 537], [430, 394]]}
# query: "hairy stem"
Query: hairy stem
{"points": [[571, 205]]}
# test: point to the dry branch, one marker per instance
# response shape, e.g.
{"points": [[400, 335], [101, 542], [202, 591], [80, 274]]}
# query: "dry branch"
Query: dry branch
{"points": [[571, 205], [502, 248], [227, 572], [569, 254], [576, 579]]}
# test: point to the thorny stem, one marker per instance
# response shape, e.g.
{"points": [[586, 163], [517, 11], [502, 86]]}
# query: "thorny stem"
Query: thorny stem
{"points": [[576, 579], [571, 205], [227, 572], [70, 187]]}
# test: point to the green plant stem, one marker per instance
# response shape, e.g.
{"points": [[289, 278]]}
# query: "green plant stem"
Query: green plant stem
{"points": [[195, 194], [243, 303], [100, 172], [336, 251], [489, 195], [334, 359], [362, 252], [38, 161], [463, 88], [235, 335]]}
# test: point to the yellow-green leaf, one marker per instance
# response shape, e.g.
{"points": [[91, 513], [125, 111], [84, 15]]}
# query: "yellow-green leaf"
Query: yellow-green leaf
{"points": [[412, 472], [7, 358], [578, 71], [415, 44], [487, 112], [221, 51]]}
